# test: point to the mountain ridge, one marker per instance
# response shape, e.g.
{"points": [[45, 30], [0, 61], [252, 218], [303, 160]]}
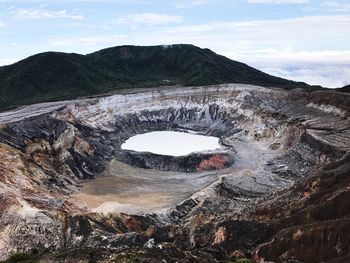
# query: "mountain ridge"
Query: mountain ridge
{"points": [[51, 76], [344, 89]]}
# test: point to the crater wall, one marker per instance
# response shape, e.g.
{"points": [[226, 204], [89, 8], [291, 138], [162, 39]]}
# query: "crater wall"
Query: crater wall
{"points": [[289, 147]]}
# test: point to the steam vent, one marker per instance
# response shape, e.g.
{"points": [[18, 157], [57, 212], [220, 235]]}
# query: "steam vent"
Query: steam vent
{"points": [[272, 186]]}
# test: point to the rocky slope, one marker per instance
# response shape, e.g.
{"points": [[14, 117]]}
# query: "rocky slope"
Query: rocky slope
{"points": [[283, 198]]}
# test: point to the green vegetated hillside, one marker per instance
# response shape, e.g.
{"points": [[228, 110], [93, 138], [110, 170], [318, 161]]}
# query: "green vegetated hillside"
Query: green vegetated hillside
{"points": [[55, 76], [345, 89]]}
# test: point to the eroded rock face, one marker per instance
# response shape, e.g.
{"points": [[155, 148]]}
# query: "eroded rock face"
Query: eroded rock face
{"points": [[283, 197], [189, 163]]}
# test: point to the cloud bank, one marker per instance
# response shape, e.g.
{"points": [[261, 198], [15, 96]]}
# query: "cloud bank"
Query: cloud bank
{"points": [[39, 13]]}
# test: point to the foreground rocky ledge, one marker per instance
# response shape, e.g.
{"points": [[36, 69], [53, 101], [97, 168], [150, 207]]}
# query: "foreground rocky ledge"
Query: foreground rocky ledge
{"points": [[284, 198]]}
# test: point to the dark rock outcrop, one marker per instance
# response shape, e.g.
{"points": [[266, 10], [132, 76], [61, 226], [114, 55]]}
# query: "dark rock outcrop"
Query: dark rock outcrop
{"points": [[190, 163]]}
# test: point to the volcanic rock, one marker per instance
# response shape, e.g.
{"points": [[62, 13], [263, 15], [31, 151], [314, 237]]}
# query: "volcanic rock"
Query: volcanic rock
{"points": [[283, 198]]}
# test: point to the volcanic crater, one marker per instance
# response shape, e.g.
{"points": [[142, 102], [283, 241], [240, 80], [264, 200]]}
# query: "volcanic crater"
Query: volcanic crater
{"points": [[69, 184]]}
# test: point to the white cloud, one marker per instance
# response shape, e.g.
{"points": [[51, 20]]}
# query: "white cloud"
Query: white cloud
{"points": [[336, 6], [302, 33], [39, 13], [291, 57], [329, 68], [180, 6], [149, 19], [278, 1], [2, 24], [199, 2], [327, 76], [194, 3]]}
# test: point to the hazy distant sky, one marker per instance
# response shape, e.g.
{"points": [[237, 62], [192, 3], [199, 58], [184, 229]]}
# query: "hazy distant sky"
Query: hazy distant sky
{"points": [[304, 40]]}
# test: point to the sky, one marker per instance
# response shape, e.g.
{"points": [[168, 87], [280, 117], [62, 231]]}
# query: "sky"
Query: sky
{"points": [[304, 40]]}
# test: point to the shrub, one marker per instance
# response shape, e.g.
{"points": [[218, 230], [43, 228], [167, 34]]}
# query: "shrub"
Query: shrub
{"points": [[239, 260], [19, 257]]}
